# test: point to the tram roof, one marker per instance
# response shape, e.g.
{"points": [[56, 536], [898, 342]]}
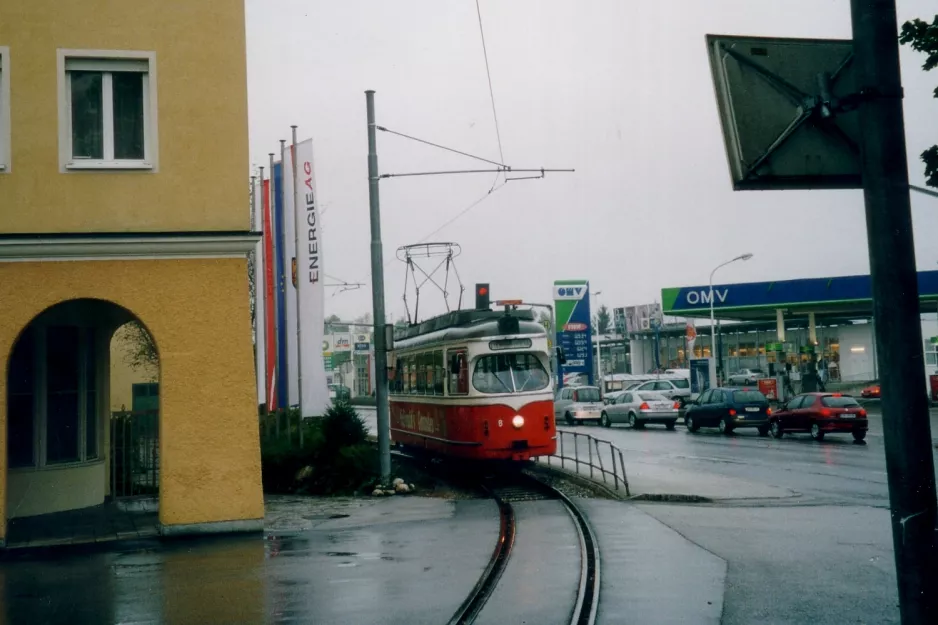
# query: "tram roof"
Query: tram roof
{"points": [[468, 324]]}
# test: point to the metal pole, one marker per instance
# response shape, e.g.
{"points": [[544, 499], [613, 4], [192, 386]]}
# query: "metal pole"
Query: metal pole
{"points": [[274, 350], [906, 429], [377, 297], [286, 264], [298, 221]]}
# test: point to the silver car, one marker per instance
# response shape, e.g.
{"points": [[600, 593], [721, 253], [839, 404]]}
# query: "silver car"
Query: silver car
{"points": [[640, 407], [578, 403], [672, 388]]}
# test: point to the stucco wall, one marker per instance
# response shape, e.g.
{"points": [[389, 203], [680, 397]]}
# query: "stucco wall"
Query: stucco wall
{"points": [[202, 117], [31, 492], [197, 312]]}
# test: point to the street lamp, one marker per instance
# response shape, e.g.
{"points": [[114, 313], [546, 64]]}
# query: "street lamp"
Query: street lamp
{"points": [[713, 329]]}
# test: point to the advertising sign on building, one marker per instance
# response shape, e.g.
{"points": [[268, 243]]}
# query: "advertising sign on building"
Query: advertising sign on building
{"points": [[341, 342], [362, 343], [327, 352], [574, 328], [641, 318]]}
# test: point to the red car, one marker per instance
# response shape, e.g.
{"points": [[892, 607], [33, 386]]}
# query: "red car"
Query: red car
{"points": [[870, 392], [820, 414]]}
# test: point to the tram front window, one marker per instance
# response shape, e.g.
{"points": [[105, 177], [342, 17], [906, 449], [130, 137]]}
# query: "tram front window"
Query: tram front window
{"points": [[509, 373]]}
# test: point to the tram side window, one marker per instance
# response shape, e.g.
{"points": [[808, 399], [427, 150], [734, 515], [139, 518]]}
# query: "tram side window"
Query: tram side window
{"points": [[422, 373], [458, 373], [394, 377], [437, 368], [409, 374]]}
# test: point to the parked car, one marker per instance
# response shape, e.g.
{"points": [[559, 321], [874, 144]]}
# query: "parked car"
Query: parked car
{"points": [[672, 388], [745, 376], [578, 403], [640, 407], [870, 392], [609, 398], [728, 409], [820, 414]]}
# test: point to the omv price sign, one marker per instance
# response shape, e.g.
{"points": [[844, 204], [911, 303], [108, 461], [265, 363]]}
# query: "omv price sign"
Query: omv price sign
{"points": [[574, 328]]}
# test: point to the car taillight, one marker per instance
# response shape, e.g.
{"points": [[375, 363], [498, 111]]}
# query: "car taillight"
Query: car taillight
{"points": [[862, 412], [768, 411], [644, 406], [732, 412], [825, 412], [677, 405]]}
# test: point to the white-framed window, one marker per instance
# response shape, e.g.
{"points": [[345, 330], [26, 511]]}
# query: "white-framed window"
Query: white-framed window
{"points": [[4, 109], [107, 110]]}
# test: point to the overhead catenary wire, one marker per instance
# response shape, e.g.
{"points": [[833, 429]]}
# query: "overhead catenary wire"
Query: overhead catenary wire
{"points": [[488, 74]]}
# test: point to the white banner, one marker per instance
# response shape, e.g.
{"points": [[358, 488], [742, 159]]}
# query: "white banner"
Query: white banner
{"points": [[260, 334], [309, 279]]}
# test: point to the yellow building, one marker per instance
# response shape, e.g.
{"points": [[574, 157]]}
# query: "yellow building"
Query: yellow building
{"points": [[123, 165]]}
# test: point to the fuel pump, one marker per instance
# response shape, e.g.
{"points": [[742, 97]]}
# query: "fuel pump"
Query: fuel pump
{"points": [[775, 356], [808, 369]]}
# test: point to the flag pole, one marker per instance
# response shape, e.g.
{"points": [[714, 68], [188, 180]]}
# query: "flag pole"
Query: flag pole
{"points": [[272, 393], [297, 227], [285, 263]]}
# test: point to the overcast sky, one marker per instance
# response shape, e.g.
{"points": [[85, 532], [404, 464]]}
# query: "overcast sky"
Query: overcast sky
{"points": [[620, 90]]}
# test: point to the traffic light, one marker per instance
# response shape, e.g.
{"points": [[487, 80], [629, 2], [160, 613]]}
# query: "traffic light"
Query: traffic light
{"points": [[482, 296]]}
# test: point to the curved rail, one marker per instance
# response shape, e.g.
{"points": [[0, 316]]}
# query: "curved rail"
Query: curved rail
{"points": [[587, 597], [515, 486], [481, 592]]}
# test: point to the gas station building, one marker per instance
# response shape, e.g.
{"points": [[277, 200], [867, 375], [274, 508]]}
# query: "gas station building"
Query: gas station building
{"points": [[763, 324]]}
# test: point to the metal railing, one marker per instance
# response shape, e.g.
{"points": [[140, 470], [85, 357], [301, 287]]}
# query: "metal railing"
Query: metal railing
{"points": [[135, 457], [283, 425], [587, 455]]}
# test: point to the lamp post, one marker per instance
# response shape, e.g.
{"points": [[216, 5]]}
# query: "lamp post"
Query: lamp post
{"points": [[713, 329], [599, 353]]}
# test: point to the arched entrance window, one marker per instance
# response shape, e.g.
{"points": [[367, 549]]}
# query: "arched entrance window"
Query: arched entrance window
{"points": [[53, 400]]}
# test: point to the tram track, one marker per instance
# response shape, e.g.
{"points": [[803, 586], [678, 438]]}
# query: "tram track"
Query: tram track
{"points": [[508, 487]]}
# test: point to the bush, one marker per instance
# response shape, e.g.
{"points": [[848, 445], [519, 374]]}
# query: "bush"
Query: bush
{"points": [[334, 449], [342, 426]]}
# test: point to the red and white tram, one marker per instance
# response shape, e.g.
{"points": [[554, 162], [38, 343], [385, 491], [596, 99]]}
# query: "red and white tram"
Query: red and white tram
{"points": [[473, 384]]}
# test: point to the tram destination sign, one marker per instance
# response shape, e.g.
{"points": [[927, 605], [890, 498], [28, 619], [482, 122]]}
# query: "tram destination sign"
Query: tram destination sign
{"points": [[574, 328]]}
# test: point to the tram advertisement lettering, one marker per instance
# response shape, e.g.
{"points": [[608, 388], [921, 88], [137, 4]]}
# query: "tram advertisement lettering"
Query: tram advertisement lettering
{"points": [[419, 421]]}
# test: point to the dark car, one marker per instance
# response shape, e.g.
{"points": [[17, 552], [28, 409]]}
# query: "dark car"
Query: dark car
{"points": [[729, 408], [820, 414]]}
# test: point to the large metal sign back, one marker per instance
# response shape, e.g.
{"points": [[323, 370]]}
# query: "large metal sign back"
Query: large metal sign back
{"points": [[787, 109]]}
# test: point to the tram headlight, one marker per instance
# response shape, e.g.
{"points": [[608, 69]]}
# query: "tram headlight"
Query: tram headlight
{"points": [[518, 421]]}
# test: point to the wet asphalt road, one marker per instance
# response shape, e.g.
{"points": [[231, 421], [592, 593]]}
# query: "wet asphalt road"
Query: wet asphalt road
{"points": [[821, 555]]}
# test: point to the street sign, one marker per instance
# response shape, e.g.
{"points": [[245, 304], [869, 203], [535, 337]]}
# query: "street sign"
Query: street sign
{"points": [[787, 110]]}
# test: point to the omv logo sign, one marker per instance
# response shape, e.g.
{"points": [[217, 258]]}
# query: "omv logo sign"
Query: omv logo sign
{"points": [[569, 292], [702, 296]]}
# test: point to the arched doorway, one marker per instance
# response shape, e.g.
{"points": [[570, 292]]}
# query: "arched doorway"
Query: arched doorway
{"points": [[60, 445], [134, 415]]}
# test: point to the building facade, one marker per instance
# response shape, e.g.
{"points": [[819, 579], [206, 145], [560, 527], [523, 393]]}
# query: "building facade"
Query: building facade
{"points": [[123, 196]]}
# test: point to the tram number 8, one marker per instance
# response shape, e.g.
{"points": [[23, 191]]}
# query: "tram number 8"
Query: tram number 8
{"points": [[499, 423]]}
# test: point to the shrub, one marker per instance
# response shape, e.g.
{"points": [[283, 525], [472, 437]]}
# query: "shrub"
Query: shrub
{"points": [[342, 426]]}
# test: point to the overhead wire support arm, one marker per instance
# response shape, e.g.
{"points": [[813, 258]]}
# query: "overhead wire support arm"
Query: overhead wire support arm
{"points": [[477, 171], [442, 147]]}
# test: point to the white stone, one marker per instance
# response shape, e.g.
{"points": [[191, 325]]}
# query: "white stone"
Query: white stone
{"points": [[402, 488], [397, 482]]}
